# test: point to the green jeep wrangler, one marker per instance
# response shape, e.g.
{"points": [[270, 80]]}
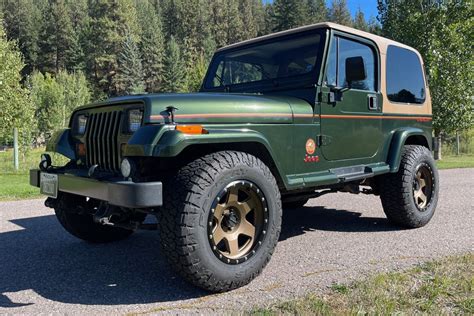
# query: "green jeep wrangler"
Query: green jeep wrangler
{"points": [[279, 119]]}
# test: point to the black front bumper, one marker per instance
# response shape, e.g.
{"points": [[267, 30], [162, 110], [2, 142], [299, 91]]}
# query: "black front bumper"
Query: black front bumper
{"points": [[119, 193]]}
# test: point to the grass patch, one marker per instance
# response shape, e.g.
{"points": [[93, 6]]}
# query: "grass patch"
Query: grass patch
{"points": [[438, 287], [17, 187], [27, 161], [450, 162]]}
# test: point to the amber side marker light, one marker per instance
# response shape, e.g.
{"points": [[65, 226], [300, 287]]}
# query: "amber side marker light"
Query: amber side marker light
{"points": [[191, 129]]}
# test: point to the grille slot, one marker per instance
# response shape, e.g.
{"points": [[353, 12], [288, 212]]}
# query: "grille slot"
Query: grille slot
{"points": [[102, 140]]}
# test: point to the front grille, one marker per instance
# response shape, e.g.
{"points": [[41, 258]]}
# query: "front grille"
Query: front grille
{"points": [[102, 143]]}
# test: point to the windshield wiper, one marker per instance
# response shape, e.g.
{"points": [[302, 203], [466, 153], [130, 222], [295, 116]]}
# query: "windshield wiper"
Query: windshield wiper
{"points": [[259, 67], [221, 83]]}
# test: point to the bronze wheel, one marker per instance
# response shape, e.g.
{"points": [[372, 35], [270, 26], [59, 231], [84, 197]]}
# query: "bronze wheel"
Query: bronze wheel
{"points": [[220, 220], [238, 222], [423, 186], [409, 196]]}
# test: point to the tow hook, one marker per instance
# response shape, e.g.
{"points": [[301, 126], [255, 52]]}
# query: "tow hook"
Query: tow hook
{"points": [[104, 214]]}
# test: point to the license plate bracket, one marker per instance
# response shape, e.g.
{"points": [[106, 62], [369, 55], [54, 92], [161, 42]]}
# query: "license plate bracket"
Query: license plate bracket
{"points": [[49, 184]]}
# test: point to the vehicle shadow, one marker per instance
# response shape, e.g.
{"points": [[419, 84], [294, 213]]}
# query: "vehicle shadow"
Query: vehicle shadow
{"points": [[310, 218], [42, 257]]}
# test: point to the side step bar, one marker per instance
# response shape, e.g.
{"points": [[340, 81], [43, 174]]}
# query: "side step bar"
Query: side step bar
{"points": [[348, 174]]}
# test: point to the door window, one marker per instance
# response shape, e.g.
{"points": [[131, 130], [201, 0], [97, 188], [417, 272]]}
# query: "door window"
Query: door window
{"points": [[340, 50]]}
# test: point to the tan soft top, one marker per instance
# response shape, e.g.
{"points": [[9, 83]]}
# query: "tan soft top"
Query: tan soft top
{"points": [[382, 44]]}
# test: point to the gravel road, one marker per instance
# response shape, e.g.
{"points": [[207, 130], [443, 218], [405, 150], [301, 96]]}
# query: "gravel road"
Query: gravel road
{"points": [[336, 238]]}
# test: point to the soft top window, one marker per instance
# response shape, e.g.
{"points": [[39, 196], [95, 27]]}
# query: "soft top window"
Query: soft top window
{"points": [[405, 81]]}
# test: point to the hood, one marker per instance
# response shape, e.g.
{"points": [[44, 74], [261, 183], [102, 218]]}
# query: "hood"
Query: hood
{"points": [[215, 107], [221, 108]]}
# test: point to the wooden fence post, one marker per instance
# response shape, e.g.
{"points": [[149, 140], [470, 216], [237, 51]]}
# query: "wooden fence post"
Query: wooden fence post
{"points": [[15, 148], [458, 150]]}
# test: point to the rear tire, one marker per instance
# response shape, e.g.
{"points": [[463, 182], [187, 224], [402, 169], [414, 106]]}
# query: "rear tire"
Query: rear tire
{"points": [[83, 226], [204, 223], [409, 197]]}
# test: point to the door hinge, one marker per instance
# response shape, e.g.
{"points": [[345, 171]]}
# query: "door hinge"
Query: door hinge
{"points": [[323, 140]]}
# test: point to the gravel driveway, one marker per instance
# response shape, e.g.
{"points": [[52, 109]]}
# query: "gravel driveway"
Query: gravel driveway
{"points": [[336, 238]]}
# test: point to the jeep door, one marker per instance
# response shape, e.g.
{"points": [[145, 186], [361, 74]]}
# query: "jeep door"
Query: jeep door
{"points": [[350, 111]]}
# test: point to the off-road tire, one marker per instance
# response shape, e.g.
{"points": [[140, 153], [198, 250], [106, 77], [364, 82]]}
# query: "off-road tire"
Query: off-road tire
{"points": [[294, 204], [397, 189], [183, 220], [83, 226]]}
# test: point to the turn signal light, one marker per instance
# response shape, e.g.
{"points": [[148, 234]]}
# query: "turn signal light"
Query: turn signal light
{"points": [[191, 129], [81, 149]]}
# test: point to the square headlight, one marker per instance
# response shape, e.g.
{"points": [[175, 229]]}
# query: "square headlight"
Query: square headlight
{"points": [[135, 118], [80, 124]]}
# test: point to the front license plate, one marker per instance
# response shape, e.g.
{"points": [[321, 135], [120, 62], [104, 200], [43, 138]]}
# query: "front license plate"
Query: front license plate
{"points": [[49, 184]]}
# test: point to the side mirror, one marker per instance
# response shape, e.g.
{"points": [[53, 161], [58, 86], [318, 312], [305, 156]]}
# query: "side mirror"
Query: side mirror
{"points": [[355, 69]]}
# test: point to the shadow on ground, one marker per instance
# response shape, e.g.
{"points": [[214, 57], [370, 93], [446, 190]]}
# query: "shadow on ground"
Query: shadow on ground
{"points": [[42, 257], [304, 219]]}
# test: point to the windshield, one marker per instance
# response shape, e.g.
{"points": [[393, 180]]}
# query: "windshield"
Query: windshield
{"points": [[278, 62]]}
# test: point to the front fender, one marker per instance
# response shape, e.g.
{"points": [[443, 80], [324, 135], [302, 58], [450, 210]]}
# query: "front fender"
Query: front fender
{"points": [[172, 143], [165, 141], [61, 142], [398, 141]]}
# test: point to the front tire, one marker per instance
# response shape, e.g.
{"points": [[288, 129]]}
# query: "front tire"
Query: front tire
{"points": [[409, 197], [221, 220]]}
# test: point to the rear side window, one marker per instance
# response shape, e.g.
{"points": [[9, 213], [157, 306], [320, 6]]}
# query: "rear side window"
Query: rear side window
{"points": [[405, 81]]}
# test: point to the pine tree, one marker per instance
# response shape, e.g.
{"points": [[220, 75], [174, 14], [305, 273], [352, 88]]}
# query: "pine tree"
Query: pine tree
{"points": [[151, 45], [58, 41], [196, 74], [174, 75], [287, 14], [268, 18], [129, 78], [218, 23], [78, 12], [109, 22], [339, 13], [234, 25], [259, 16], [360, 22], [316, 11], [23, 20]]}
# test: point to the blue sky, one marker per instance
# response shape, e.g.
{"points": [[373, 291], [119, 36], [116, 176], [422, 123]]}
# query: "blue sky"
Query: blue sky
{"points": [[369, 7]]}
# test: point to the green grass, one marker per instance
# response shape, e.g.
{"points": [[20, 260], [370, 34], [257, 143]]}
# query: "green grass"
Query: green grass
{"points": [[435, 288], [29, 160], [450, 162], [15, 185]]}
